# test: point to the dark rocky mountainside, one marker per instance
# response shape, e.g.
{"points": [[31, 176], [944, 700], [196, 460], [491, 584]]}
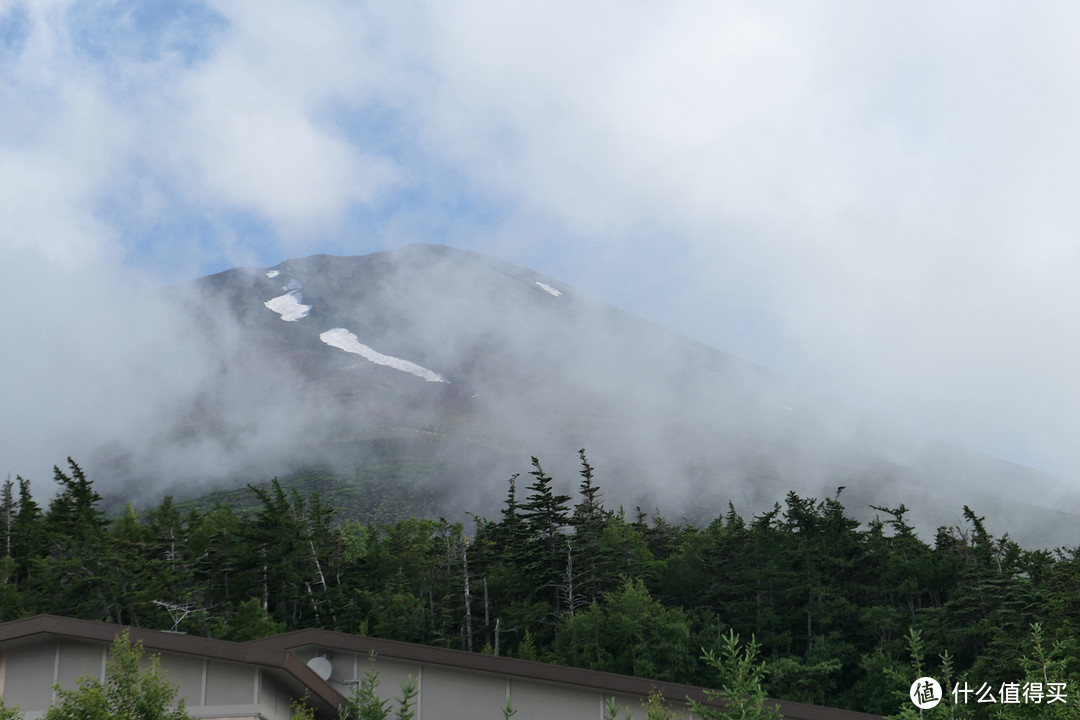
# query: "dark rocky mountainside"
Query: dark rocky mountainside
{"points": [[444, 370]]}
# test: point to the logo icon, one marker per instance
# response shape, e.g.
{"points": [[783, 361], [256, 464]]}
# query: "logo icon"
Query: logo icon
{"points": [[925, 693]]}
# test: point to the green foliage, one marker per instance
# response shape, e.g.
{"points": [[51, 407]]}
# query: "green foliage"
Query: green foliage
{"points": [[881, 678], [364, 703], [795, 679], [7, 713], [250, 623], [628, 632], [1042, 666], [740, 682], [527, 649], [829, 602], [588, 520], [656, 708], [611, 710], [407, 700], [128, 693], [545, 515], [79, 567], [301, 710], [948, 707]]}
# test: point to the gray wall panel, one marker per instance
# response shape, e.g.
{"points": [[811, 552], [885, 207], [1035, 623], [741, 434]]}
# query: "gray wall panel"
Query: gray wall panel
{"points": [[78, 661], [274, 701], [536, 701], [30, 676], [391, 674], [636, 708], [230, 684], [454, 695], [187, 672]]}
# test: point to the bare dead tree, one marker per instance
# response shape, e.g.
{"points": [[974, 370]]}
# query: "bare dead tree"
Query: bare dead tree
{"points": [[468, 594]]}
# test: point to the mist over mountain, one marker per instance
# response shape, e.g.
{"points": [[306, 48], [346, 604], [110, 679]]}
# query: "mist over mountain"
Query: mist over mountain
{"points": [[445, 370]]}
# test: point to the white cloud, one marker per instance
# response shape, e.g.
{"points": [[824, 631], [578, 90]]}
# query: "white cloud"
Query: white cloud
{"points": [[888, 189], [251, 123], [896, 181], [254, 126]]}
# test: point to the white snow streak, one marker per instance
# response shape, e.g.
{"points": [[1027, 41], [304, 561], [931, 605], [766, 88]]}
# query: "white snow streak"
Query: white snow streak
{"points": [[547, 288], [289, 306], [345, 340]]}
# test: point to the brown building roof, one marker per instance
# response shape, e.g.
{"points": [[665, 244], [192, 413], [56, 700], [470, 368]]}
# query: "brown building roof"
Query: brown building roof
{"points": [[274, 654], [290, 670], [527, 669]]}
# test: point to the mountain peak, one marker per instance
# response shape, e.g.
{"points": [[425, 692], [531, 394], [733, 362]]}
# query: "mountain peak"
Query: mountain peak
{"points": [[465, 364]]}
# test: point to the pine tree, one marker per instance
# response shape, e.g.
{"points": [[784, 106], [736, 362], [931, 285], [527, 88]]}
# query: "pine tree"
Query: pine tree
{"points": [[740, 681], [26, 542], [78, 567], [136, 574], [588, 521], [8, 509], [10, 598], [629, 632], [220, 578], [545, 514], [286, 541], [27, 538]]}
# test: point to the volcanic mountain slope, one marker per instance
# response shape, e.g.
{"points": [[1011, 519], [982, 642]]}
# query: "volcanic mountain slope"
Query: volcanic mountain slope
{"points": [[448, 369]]}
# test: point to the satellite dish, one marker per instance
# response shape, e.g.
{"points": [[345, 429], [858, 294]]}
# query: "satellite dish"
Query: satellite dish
{"points": [[321, 666]]}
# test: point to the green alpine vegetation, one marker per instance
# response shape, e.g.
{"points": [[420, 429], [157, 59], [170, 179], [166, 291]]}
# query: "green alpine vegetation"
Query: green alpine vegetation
{"points": [[836, 612]]}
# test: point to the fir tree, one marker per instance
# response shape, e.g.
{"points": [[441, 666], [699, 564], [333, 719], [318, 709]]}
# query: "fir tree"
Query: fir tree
{"points": [[588, 522], [78, 569], [546, 514], [8, 509], [740, 681]]}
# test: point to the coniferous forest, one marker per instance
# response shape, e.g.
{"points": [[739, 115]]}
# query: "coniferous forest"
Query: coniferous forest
{"points": [[845, 614]]}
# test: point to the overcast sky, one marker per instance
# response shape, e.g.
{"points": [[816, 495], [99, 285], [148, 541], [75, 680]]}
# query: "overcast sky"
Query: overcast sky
{"points": [[878, 200]]}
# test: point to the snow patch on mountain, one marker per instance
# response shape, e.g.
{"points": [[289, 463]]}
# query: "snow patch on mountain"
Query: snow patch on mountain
{"points": [[548, 289], [289, 306], [345, 340]]}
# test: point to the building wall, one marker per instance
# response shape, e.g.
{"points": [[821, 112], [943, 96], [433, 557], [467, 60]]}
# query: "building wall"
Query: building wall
{"points": [[78, 660], [29, 674], [230, 684], [480, 697], [211, 689], [187, 672], [274, 700], [259, 682], [635, 706], [450, 693]]}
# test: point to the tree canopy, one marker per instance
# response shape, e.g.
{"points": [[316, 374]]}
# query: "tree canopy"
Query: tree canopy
{"points": [[830, 603]]}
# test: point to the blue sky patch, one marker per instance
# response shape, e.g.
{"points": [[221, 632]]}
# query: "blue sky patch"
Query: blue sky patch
{"points": [[14, 30], [145, 32]]}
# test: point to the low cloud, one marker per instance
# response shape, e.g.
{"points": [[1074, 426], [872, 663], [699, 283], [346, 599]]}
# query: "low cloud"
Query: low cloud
{"points": [[876, 201]]}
